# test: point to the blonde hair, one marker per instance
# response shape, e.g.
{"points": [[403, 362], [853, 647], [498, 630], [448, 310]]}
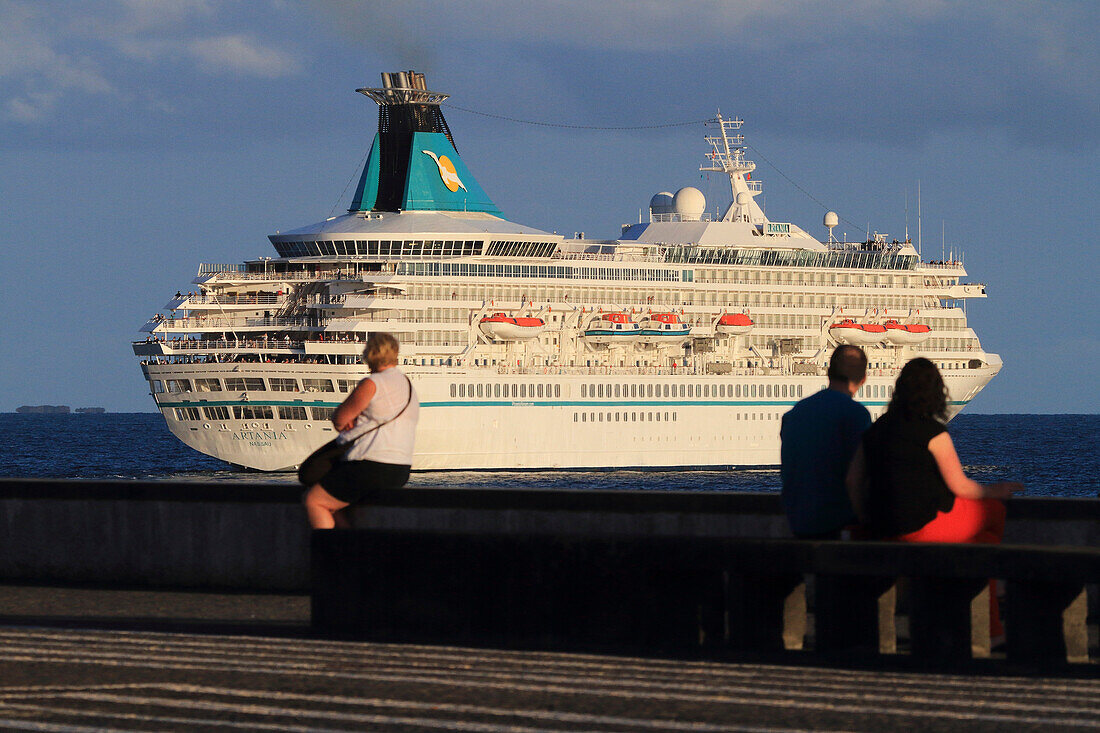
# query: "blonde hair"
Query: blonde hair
{"points": [[381, 350]]}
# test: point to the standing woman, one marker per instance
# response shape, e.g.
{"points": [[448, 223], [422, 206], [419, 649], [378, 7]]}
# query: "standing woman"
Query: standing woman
{"points": [[907, 483], [379, 419]]}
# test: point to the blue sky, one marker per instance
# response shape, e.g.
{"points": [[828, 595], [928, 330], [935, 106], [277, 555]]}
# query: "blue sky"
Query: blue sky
{"points": [[138, 139]]}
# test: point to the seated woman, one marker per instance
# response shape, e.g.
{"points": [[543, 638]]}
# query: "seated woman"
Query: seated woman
{"points": [[379, 419], [906, 481]]}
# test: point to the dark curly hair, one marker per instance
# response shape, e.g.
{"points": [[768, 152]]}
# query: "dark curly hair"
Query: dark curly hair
{"points": [[920, 392]]}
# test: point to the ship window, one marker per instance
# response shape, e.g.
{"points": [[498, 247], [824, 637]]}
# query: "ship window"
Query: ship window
{"points": [[769, 390], [618, 391], [241, 384], [454, 390], [479, 391], [649, 417], [599, 390], [574, 417], [216, 413], [706, 390], [506, 390], [584, 390], [540, 390], [462, 390], [601, 416], [737, 390], [592, 417], [584, 417], [187, 413], [253, 412], [208, 385], [800, 390], [179, 385], [753, 392], [278, 384], [496, 390], [344, 385], [317, 385], [322, 413], [557, 390], [522, 390], [674, 417], [292, 412]]}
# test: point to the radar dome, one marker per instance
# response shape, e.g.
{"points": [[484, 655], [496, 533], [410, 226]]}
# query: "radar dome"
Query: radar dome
{"points": [[689, 203], [661, 203], [831, 219], [743, 198]]}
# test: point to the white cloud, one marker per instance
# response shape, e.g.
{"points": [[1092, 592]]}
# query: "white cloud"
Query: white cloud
{"points": [[241, 54]]}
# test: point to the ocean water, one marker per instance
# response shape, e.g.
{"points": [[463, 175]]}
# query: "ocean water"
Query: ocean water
{"points": [[1053, 455]]}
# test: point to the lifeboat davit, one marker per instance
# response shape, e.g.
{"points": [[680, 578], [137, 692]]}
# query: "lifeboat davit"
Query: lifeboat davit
{"points": [[504, 327], [664, 328], [906, 334], [735, 324], [858, 334], [612, 328]]}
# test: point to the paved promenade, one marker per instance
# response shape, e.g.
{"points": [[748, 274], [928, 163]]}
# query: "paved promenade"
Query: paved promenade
{"points": [[102, 659]]}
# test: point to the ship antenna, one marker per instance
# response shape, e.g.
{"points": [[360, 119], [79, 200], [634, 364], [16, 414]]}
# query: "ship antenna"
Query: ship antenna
{"points": [[906, 213], [920, 252]]}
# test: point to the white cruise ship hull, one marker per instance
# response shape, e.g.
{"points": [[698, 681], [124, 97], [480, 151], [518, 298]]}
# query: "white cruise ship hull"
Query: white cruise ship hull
{"points": [[733, 422]]}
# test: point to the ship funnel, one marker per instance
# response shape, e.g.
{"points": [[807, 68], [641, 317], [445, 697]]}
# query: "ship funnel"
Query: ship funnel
{"points": [[413, 163]]}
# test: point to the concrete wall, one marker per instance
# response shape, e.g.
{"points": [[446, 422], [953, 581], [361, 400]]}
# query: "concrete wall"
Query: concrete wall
{"points": [[254, 536]]}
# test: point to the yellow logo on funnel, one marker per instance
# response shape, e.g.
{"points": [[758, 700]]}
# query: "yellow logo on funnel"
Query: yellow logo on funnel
{"points": [[446, 171]]}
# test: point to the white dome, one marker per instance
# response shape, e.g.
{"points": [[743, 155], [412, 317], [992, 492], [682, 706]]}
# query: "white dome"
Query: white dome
{"points": [[689, 203], [831, 219], [743, 198], [661, 203]]}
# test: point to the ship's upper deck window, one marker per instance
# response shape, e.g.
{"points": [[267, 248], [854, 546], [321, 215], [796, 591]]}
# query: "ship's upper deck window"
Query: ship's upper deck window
{"points": [[179, 385], [520, 249], [208, 385], [382, 248], [858, 259], [473, 269]]}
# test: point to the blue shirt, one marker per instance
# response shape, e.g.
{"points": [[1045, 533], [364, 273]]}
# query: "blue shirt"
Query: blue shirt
{"points": [[819, 436]]}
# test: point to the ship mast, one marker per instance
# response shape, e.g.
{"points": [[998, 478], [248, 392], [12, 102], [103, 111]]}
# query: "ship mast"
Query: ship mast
{"points": [[727, 156]]}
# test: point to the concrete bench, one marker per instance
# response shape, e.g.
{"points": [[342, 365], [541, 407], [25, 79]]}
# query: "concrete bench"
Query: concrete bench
{"points": [[698, 595]]}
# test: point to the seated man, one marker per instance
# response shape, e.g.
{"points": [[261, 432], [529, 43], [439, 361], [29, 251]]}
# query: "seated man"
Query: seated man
{"points": [[819, 436]]}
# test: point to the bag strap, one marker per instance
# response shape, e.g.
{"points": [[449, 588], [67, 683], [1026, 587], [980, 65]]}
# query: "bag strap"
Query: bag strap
{"points": [[387, 422]]}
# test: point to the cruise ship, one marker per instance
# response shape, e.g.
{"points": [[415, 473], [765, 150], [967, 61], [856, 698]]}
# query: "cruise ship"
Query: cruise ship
{"points": [[679, 343]]}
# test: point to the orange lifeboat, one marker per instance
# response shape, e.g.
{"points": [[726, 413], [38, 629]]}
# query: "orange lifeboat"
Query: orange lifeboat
{"points": [[735, 324], [503, 327], [906, 334], [858, 334]]}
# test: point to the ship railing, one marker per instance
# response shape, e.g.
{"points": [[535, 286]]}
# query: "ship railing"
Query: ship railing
{"points": [[260, 344], [255, 299], [593, 257], [210, 322], [940, 265], [705, 216], [273, 276]]}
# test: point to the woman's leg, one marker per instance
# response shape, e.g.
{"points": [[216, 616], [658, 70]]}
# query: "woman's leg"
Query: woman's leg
{"points": [[321, 508], [970, 520]]}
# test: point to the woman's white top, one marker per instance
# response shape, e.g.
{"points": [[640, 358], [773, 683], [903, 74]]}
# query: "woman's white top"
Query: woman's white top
{"points": [[393, 442]]}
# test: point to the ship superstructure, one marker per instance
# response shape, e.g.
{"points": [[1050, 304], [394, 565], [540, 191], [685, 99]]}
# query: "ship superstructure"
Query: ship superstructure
{"points": [[680, 343]]}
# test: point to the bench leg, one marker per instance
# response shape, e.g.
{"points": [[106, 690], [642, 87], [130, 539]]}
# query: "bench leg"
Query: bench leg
{"points": [[1046, 622], [949, 618], [766, 612], [854, 613]]}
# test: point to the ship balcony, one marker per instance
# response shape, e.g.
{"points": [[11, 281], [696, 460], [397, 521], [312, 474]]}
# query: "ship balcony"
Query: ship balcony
{"points": [[963, 290], [225, 302], [188, 347], [230, 275], [225, 323]]}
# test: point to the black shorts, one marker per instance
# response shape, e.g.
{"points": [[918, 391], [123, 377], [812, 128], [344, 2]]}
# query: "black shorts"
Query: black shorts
{"points": [[356, 481]]}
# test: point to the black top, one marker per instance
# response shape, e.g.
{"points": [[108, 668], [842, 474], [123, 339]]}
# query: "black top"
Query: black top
{"points": [[906, 488]]}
